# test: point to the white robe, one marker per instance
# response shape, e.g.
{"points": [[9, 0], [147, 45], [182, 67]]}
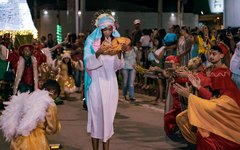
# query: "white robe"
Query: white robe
{"points": [[102, 95]]}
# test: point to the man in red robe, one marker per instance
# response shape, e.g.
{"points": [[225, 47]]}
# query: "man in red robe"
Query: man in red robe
{"points": [[217, 119], [179, 103], [170, 125]]}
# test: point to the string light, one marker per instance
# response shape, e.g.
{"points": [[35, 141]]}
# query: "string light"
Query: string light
{"points": [[15, 18]]}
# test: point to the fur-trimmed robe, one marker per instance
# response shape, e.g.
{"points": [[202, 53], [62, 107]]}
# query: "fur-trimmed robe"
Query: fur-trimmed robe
{"points": [[20, 71]]}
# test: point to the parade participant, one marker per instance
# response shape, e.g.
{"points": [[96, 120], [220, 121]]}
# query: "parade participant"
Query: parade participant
{"points": [[44, 62], [27, 128], [25, 67], [197, 70], [173, 107], [65, 74], [100, 81], [217, 119], [47, 52], [41, 58]]}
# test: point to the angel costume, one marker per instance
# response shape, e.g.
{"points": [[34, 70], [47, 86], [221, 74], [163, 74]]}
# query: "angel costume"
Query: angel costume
{"points": [[27, 118], [100, 82], [65, 80]]}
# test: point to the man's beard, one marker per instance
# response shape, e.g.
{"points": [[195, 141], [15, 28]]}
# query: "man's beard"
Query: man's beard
{"points": [[215, 62]]}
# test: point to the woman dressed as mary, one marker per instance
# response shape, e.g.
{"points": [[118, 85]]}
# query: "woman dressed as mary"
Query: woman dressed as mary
{"points": [[100, 81]]}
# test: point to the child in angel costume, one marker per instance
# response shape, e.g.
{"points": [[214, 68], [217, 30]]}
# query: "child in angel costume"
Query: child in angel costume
{"points": [[28, 117], [65, 74]]}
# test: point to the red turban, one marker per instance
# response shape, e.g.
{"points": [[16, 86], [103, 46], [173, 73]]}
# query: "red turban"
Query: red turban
{"points": [[175, 59], [224, 48]]}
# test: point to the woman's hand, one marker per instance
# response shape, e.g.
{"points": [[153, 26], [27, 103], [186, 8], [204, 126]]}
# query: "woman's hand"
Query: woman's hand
{"points": [[99, 52]]}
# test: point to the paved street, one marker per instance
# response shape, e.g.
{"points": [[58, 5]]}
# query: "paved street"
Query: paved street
{"points": [[138, 126]]}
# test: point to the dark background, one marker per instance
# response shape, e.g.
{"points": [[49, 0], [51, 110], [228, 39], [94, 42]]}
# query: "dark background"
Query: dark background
{"points": [[193, 6]]}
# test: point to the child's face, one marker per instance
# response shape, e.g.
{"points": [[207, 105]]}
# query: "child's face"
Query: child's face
{"points": [[66, 60], [156, 42]]}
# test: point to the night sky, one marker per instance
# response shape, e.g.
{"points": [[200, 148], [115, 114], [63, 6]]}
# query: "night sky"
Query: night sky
{"points": [[195, 6]]}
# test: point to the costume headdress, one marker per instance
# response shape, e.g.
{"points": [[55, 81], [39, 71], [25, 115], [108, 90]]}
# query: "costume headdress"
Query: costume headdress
{"points": [[172, 58], [192, 65], [103, 18], [66, 54], [81, 34], [22, 41], [223, 47]]}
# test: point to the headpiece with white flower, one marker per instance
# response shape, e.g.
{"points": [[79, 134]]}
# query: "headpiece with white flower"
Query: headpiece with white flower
{"points": [[103, 18]]}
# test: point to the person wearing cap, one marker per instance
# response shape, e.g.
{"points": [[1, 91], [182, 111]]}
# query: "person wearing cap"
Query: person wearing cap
{"points": [[100, 81], [137, 33], [216, 116]]}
